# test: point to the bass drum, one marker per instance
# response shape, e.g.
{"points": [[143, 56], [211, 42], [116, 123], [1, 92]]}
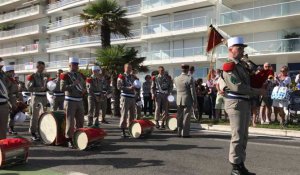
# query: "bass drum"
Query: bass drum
{"points": [[141, 128], [172, 122], [85, 137], [52, 126]]}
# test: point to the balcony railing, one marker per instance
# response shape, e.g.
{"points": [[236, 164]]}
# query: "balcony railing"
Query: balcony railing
{"points": [[75, 41], [175, 25], [19, 32], [89, 40], [4, 2], [54, 64], [65, 22], [262, 12], [268, 47], [147, 4], [61, 3], [19, 50], [135, 34], [173, 54], [134, 9], [19, 14]]}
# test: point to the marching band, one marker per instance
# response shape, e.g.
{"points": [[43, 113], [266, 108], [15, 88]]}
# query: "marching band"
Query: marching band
{"points": [[69, 88]]}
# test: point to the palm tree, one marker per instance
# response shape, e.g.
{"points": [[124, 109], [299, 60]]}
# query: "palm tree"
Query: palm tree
{"points": [[112, 60], [106, 17]]}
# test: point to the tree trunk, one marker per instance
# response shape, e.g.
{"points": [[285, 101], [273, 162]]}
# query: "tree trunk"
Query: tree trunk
{"points": [[105, 36], [116, 97]]}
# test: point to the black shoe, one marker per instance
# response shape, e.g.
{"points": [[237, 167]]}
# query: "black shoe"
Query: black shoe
{"points": [[104, 122], [71, 145], [123, 134], [162, 126], [156, 124], [240, 170], [245, 170], [187, 136], [12, 132], [34, 137]]}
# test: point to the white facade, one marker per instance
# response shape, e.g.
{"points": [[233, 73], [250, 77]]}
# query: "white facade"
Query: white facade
{"points": [[166, 32]]}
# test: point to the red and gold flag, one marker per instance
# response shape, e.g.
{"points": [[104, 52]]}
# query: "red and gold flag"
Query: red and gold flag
{"points": [[214, 38]]}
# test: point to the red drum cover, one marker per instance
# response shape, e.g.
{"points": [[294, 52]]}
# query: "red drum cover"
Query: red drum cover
{"points": [[13, 150]]}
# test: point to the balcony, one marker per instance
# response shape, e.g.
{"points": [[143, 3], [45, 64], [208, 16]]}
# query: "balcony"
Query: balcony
{"points": [[134, 9], [156, 7], [8, 2], [73, 43], [30, 13], [20, 50], [183, 55], [259, 13], [65, 4], [53, 65], [90, 41], [180, 27], [20, 32], [65, 23], [263, 18], [289, 48]]}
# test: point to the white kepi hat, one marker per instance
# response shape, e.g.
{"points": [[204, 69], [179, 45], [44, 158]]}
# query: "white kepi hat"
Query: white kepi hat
{"points": [[95, 68], [73, 60], [8, 68], [236, 41]]}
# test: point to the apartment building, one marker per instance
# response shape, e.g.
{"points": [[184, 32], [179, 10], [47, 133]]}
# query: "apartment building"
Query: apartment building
{"points": [[166, 32]]}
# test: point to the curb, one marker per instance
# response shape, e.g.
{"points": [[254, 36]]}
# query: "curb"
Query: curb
{"points": [[252, 130]]}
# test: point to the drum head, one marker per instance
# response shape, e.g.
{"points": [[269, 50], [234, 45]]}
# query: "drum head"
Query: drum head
{"points": [[136, 130], [48, 128], [81, 140], [171, 98], [172, 124]]}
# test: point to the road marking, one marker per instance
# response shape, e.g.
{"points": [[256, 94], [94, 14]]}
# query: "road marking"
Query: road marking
{"points": [[256, 143], [76, 173]]}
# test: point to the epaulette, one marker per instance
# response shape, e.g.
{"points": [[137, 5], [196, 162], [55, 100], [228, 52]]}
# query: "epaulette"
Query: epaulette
{"points": [[121, 76], [228, 66], [30, 77], [89, 80], [153, 78], [64, 76]]}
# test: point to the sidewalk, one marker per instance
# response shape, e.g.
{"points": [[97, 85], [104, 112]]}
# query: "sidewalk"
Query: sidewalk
{"points": [[252, 130]]}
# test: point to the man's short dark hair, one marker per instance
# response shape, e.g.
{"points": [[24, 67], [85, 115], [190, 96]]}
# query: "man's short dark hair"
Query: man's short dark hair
{"points": [[41, 63], [192, 68], [161, 67]]}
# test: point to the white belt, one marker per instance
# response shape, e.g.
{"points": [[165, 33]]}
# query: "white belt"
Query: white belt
{"points": [[73, 98], [39, 93], [242, 96], [127, 95], [59, 94], [162, 92]]}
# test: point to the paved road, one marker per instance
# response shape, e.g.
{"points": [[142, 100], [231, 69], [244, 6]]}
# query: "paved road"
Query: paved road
{"points": [[164, 154]]}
